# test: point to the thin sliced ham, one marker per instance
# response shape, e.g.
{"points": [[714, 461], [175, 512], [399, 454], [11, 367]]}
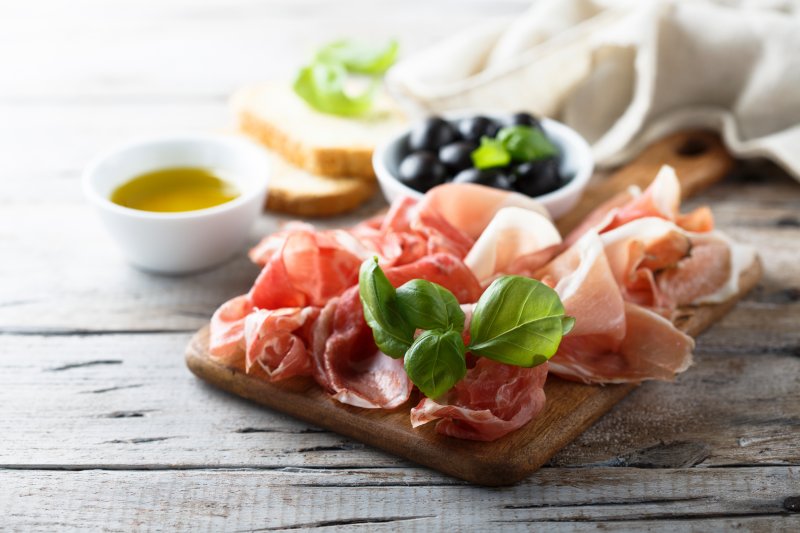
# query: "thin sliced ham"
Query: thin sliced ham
{"points": [[613, 341], [303, 267], [391, 237], [491, 401], [226, 337], [347, 361], [470, 208], [662, 266], [661, 200], [275, 339], [512, 243]]}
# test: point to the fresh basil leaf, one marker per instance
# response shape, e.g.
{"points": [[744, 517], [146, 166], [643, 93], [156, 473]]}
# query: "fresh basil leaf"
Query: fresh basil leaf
{"points": [[518, 321], [491, 153], [525, 143], [392, 333], [567, 323], [360, 58], [435, 362], [427, 305], [322, 86]]}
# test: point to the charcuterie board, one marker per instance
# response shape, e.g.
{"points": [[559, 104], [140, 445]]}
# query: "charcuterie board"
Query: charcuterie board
{"points": [[699, 159]]}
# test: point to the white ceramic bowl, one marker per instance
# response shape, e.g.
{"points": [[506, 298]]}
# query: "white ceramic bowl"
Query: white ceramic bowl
{"points": [[186, 241], [576, 162]]}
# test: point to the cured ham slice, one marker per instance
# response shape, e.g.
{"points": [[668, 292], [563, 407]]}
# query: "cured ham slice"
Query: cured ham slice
{"points": [[661, 200], [652, 348], [349, 364], [660, 265], [613, 341], [274, 339], [226, 338], [303, 267], [391, 237], [512, 243], [469, 208], [491, 401]]}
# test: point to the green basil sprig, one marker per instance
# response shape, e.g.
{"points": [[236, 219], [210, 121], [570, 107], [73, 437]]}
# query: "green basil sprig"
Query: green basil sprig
{"points": [[322, 86], [360, 58], [490, 154], [513, 143], [393, 334], [517, 321], [428, 306], [322, 83], [436, 362]]}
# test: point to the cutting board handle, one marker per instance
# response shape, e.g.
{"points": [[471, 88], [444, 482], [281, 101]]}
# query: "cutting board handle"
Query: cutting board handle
{"points": [[698, 157]]}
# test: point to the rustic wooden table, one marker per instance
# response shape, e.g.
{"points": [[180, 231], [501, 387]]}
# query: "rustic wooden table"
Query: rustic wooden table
{"points": [[101, 425]]}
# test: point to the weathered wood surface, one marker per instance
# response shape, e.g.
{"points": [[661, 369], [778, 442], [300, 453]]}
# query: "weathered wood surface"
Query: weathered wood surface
{"points": [[156, 449], [571, 407], [399, 499]]}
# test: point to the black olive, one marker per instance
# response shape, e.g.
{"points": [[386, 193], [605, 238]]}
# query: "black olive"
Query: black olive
{"points": [[470, 175], [473, 128], [431, 134], [458, 155], [421, 171], [524, 119], [538, 177], [502, 181], [491, 177]]}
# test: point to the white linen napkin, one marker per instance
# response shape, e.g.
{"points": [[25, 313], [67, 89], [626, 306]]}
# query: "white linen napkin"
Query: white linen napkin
{"points": [[624, 73]]}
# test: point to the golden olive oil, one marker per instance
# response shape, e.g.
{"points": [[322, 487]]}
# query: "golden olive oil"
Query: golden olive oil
{"points": [[171, 190]]}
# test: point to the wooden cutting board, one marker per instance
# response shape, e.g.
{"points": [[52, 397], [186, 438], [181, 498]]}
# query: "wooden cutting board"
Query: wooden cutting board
{"points": [[699, 159]]}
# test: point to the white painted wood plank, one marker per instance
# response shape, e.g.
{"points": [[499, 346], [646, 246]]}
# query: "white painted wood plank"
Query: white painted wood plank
{"points": [[127, 401], [564, 499]]}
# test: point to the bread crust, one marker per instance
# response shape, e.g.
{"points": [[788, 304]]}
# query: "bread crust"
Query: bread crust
{"points": [[351, 162], [287, 199]]}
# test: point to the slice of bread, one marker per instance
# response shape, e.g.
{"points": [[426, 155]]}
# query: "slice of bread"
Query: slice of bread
{"points": [[324, 144], [298, 192]]}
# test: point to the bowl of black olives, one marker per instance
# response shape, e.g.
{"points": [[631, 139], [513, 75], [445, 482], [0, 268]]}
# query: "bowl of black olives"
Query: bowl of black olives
{"points": [[517, 152]]}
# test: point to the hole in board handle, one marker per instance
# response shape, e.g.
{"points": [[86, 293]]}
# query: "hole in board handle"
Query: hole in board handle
{"points": [[693, 147]]}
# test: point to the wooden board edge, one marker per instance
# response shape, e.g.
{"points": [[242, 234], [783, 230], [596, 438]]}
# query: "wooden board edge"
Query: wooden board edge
{"points": [[484, 469]]}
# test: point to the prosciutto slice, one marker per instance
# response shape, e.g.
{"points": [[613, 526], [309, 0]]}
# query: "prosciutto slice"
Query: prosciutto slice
{"points": [[470, 208], [493, 400], [347, 361], [662, 266], [513, 242], [613, 341], [226, 339], [661, 200], [303, 267], [275, 340]]}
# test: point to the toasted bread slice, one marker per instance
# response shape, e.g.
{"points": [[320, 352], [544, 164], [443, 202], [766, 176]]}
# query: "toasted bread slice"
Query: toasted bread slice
{"points": [[324, 144], [299, 192]]}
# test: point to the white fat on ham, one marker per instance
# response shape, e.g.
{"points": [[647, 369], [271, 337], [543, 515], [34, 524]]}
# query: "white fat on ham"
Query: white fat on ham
{"points": [[708, 274], [513, 232], [661, 199], [588, 290], [470, 208], [665, 191], [613, 341]]}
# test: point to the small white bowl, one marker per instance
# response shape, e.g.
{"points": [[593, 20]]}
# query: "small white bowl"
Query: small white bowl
{"points": [[186, 241], [576, 162]]}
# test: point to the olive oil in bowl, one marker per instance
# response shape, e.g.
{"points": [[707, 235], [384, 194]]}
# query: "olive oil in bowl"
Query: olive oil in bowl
{"points": [[176, 189]]}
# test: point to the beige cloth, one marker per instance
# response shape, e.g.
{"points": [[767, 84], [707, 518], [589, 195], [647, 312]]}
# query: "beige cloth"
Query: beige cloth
{"points": [[625, 73]]}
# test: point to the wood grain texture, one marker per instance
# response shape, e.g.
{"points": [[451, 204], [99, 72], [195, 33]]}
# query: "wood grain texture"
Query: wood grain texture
{"points": [[570, 408], [159, 449], [698, 157], [556, 499]]}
